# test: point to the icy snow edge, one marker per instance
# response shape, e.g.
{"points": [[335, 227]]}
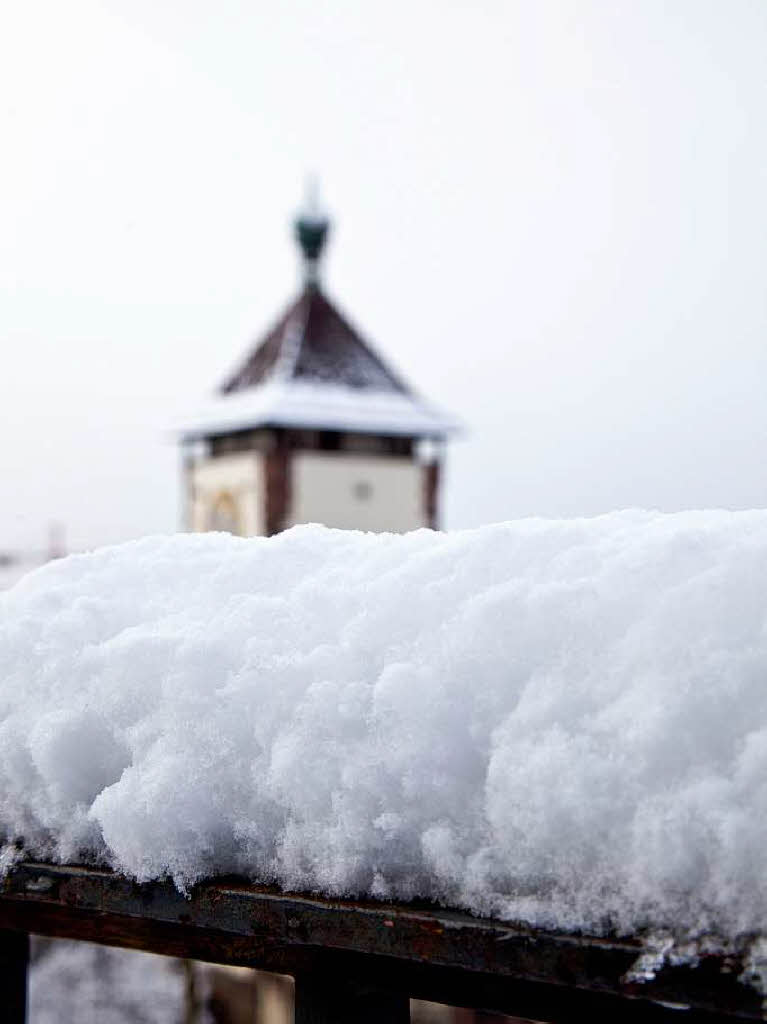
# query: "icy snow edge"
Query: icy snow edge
{"points": [[561, 722]]}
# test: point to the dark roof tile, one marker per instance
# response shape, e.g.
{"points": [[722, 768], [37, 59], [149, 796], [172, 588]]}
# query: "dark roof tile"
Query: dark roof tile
{"points": [[312, 341]]}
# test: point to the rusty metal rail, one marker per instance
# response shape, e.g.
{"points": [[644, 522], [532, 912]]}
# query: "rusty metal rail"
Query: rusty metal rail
{"points": [[358, 961]]}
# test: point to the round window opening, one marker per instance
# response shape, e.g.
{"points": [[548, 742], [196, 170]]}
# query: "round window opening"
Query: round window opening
{"points": [[363, 491]]}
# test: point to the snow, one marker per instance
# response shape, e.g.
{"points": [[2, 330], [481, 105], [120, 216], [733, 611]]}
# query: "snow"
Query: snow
{"points": [[287, 402], [563, 722]]}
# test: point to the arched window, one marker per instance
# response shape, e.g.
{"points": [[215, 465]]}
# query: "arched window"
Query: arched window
{"points": [[224, 514]]}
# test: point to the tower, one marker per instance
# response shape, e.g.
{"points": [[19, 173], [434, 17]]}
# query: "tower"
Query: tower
{"points": [[313, 426]]}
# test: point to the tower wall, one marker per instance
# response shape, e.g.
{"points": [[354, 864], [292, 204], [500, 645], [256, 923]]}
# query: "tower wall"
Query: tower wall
{"points": [[360, 492], [266, 490]]}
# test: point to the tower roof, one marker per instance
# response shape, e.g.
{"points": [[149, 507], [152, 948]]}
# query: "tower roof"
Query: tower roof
{"points": [[314, 370], [313, 342]]}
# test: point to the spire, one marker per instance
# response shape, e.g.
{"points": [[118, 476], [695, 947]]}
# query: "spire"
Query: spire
{"points": [[311, 231]]}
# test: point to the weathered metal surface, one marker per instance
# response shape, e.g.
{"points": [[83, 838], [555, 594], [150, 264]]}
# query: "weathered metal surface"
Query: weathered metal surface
{"points": [[420, 952]]}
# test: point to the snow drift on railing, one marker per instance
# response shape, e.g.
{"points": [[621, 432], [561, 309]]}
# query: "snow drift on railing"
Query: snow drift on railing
{"points": [[560, 722]]}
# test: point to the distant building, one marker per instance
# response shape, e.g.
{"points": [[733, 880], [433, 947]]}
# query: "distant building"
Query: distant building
{"points": [[15, 563], [314, 427]]}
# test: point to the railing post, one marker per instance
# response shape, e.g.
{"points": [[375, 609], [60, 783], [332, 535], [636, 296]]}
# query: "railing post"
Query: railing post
{"points": [[14, 958], [337, 999]]}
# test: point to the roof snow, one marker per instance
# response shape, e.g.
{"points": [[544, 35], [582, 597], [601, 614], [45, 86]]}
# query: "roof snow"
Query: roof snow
{"points": [[310, 405]]}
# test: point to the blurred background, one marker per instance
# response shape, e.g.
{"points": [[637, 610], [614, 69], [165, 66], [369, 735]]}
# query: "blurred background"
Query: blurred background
{"points": [[550, 216]]}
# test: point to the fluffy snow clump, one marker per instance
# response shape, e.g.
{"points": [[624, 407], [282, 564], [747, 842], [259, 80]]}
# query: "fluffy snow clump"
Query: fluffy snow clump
{"points": [[560, 722]]}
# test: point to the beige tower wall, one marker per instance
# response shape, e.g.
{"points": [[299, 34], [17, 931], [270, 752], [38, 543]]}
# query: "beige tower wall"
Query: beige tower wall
{"points": [[227, 484], [359, 492]]}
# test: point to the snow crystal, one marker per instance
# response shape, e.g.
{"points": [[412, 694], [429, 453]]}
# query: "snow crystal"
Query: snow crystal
{"points": [[557, 722]]}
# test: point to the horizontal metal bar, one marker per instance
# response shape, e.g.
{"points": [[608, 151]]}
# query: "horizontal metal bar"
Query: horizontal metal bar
{"points": [[423, 952]]}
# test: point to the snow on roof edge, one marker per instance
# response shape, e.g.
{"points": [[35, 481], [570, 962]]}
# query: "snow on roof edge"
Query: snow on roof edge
{"points": [[320, 407]]}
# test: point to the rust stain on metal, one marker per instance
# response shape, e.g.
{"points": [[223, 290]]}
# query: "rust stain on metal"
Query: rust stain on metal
{"points": [[443, 955]]}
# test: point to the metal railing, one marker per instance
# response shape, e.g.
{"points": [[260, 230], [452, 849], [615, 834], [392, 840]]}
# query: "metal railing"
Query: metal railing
{"points": [[361, 961]]}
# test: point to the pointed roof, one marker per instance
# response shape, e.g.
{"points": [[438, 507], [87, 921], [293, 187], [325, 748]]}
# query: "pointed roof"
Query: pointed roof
{"points": [[313, 370], [313, 342]]}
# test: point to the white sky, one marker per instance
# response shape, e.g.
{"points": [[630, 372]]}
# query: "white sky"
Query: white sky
{"points": [[550, 215]]}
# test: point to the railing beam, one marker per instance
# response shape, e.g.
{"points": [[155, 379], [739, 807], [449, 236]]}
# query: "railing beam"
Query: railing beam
{"points": [[14, 959], [425, 952]]}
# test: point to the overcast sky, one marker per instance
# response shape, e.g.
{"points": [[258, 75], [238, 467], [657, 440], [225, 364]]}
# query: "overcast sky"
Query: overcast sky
{"points": [[551, 216]]}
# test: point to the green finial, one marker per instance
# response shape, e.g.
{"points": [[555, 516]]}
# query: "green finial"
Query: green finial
{"points": [[311, 230]]}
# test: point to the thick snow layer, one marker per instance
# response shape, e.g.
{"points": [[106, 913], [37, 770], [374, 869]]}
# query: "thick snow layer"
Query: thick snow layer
{"points": [[321, 406], [561, 722]]}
